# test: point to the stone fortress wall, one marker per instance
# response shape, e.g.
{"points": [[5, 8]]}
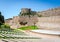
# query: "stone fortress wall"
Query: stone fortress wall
{"points": [[50, 12], [49, 19], [52, 22]]}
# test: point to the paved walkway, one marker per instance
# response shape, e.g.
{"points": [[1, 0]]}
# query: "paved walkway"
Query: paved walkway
{"points": [[50, 32], [40, 34]]}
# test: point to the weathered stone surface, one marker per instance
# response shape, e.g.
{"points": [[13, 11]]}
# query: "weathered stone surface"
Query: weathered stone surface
{"points": [[25, 10], [45, 22], [51, 23], [50, 12], [15, 22]]}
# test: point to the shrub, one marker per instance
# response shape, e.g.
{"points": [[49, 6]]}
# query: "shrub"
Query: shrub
{"points": [[5, 26], [39, 15], [2, 26]]}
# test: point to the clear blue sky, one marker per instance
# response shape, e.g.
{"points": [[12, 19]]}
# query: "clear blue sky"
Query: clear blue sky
{"points": [[10, 8]]}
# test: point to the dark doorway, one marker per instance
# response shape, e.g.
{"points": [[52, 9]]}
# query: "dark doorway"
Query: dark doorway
{"points": [[23, 23]]}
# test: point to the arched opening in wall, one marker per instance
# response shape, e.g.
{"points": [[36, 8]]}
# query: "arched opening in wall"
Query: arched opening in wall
{"points": [[23, 23]]}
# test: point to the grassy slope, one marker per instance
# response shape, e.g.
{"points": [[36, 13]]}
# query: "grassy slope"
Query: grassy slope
{"points": [[28, 28]]}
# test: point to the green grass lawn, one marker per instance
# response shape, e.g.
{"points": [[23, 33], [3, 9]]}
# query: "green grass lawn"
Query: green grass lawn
{"points": [[28, 28]]}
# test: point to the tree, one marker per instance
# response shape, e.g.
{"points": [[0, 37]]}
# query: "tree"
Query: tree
{"points": [[34, 20], [1, 19]]}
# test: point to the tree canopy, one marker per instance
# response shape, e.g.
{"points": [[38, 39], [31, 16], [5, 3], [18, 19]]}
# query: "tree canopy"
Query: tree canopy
{"points": [[1, 19]]}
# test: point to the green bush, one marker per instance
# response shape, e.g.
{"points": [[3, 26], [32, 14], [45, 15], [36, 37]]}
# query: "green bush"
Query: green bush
{"points": [[39, 15], [2, 26], [5, 26]]}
